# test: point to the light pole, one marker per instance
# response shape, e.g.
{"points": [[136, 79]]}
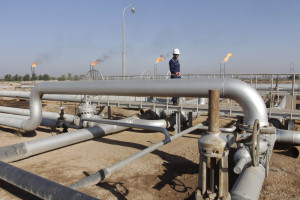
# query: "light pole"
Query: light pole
{"points": [[123, 54]]}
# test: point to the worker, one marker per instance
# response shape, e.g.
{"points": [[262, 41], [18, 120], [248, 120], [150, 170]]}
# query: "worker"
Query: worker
{"points": [[175, 70]]}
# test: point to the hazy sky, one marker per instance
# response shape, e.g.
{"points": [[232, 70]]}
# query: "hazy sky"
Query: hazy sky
{"points": [[68, 35]]}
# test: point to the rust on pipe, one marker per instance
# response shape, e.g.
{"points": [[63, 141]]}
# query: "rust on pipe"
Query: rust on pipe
{"points": [[213, 111]]}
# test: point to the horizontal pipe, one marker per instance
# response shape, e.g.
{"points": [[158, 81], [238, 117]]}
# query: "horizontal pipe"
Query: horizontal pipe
{"points": [[11, 122], [72, 98], [37, 185], [249, 99], [49, 115], [223, 129], [106, 172], [26, 149], [288, 136], [9, 119], [131, 125]]}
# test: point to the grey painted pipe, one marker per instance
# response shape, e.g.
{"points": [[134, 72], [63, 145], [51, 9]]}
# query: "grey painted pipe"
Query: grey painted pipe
{"points": [[227, 130], [39, 186], [250, 181], [250, 100], [71, 98], [10, 120], [106, 172], [249, 184], [288, 136], [131, 125], [25, 149], [49, 115]]}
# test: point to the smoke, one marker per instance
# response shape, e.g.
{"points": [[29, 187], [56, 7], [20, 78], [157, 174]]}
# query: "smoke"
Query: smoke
{"points": [[105, 56]]}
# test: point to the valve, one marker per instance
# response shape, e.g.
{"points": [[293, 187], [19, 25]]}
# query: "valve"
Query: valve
{"points": [[255, 142]]}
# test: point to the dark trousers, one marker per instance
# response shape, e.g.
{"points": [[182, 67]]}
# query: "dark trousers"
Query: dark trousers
{"points": [[175, 99]]}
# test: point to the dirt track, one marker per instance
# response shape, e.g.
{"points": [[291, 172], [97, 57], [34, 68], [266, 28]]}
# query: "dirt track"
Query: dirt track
{"points": [[171, 172]]}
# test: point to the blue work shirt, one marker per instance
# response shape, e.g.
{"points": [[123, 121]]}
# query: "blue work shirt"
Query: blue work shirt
{"points": [[174, 67]]}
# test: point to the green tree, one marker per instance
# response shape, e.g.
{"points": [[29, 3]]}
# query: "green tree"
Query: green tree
{"points": [[26, 77], [15, 77], [62, 78], [8, 77], [34, 77], [41, 77], [46, 77], [70, 77], [76, 78]]}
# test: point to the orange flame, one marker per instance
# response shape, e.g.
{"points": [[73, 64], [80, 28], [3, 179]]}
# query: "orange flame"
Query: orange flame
{"points": [[34, 64], [95, 63], [227, 57], [159, 59]]}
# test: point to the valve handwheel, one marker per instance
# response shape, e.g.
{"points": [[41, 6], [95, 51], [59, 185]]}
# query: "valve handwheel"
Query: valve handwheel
{"points": [[255, 143]]}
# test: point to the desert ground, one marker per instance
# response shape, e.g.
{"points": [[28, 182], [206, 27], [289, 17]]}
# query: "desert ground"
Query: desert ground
{"points": [[170, 172]]}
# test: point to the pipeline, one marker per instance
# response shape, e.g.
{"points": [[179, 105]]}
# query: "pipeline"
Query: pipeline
{"points": [[288, 136], [10, 120], [71, 98], [106, 172], [250, 181], [26, 149], [250, 100], [26, 112], [37, 185]]}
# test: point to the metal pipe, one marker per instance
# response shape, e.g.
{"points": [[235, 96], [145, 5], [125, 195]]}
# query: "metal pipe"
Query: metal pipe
{"points": [[131, 125], [70, 98], [37, 185], [250, 100], [250, 181], [106, 172], [49, 115], [248, 184], [241, 158], [10, 120], [288, 136], [222, 129], [213, 111], [26, 149]]}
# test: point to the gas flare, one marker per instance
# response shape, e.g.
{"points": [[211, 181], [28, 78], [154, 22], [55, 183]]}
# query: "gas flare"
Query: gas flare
{"points": [[34, 64], [95, 63], [159, 59], [227, 57]]}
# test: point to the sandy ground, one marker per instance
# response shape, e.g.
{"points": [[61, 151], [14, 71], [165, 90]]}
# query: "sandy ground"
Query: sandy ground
{"points": [[171, 172]]}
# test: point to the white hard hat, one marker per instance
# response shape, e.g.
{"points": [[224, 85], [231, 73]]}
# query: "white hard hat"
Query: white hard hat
{"points": [[176, 51]]}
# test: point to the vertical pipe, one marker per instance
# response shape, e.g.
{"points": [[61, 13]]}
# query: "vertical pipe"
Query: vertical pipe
{"points": [[255, 81], [202, 179], [212, 174], [271, 97], [293, 94], [213, 110]]}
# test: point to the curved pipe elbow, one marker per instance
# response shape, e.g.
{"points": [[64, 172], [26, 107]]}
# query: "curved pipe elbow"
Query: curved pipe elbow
{"points": [[249, 99], [35, 118]]}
